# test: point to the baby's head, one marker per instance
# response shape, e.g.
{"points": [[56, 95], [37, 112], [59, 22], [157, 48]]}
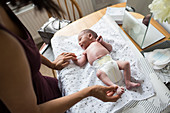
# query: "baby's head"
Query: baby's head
{"points": [[86, 37]]}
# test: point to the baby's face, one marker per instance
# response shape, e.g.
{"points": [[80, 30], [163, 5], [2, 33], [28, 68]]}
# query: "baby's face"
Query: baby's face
{"points": [[84, 40]]}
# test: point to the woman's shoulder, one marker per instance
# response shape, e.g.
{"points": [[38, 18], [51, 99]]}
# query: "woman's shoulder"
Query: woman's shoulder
{"points": [[9, 45], [12, 54], [7, 39]]}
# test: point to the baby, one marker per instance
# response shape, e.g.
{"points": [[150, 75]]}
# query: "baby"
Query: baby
{"points": [[97, 54]]}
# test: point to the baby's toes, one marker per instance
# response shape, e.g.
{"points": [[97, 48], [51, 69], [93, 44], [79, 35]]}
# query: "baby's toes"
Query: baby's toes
{"points": [[120, 90]]}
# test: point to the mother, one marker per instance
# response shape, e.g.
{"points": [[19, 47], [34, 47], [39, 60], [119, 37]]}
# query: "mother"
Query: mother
{"points": [[22, 87]]}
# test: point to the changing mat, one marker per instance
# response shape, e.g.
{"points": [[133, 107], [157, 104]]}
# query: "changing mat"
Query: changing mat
{"points": [[73, 78]]}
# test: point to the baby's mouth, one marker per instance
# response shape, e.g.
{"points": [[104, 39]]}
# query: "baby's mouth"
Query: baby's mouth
{"points": [[82, 46]]}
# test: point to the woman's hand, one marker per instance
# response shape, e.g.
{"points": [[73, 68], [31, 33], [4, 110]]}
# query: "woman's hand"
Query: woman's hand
{"points": [[63, 60], [105, 93]]}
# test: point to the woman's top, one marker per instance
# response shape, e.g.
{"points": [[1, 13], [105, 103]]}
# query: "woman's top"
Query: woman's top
{"points": [[46, 88]]}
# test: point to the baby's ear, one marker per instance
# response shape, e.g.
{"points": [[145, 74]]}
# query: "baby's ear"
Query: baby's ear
{"points": [[90, 36]]}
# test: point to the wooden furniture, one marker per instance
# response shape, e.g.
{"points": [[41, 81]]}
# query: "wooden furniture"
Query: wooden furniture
{"points": [[91, 19], [74, 7], [71, 9]]}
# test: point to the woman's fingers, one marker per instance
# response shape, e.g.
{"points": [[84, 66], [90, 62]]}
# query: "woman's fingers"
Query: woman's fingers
{"points": [[105, 93], [68, 54], [63, 60], [111, 88], [113, 98], [111, 93], [65, 64]]}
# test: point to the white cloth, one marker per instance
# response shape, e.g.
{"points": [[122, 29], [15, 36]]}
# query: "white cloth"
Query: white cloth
{"points": [[110, 67]]}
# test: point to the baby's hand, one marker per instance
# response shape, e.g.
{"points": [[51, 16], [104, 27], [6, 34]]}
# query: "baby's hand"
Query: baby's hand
{"points": [[74, 57], [75, 60], [99, 39]]}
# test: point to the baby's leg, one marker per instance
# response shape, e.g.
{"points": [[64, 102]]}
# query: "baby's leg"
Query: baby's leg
{"points": [[105, 79], [125, 66]]}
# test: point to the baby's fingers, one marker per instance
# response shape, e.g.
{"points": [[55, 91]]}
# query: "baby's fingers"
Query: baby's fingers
{"points": [[99, 38]]}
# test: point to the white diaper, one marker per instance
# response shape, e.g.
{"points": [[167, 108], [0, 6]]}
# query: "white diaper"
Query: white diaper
{"points": [[110, 67]]}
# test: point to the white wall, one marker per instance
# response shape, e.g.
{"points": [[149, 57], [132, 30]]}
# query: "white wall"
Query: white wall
{"points": [[141, 6], [166, 26]]}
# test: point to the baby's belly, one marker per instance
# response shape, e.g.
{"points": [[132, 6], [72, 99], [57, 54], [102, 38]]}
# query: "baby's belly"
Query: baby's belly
{"points": [[96, 51]]}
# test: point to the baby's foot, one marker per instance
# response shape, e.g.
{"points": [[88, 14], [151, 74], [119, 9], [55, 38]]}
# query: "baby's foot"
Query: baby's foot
{"points": [[120, 90], [130, 85]]}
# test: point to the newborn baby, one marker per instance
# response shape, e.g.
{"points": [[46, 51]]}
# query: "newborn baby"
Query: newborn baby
{"points": [[97, 54]]}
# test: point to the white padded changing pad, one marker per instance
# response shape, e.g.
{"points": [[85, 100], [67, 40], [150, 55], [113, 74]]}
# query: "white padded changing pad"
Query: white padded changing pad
{"points": [[73, 78]]}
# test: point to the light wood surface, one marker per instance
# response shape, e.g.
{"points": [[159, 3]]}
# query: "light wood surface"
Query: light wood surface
{"points": [[91, 19]]}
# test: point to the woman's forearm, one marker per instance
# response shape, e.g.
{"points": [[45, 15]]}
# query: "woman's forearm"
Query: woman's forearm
{"points": [[46, 62], [62, 104]]}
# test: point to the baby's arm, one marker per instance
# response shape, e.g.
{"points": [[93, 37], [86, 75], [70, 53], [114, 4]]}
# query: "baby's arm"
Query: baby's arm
{"points": [[81, 61], [105, 44]]}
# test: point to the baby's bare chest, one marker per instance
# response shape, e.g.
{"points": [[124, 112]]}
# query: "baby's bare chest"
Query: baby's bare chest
{"points": [[95, 51]]}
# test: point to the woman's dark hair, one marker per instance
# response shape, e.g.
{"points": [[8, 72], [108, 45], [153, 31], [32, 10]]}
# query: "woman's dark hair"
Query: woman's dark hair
{"points": [[51, 7]]}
